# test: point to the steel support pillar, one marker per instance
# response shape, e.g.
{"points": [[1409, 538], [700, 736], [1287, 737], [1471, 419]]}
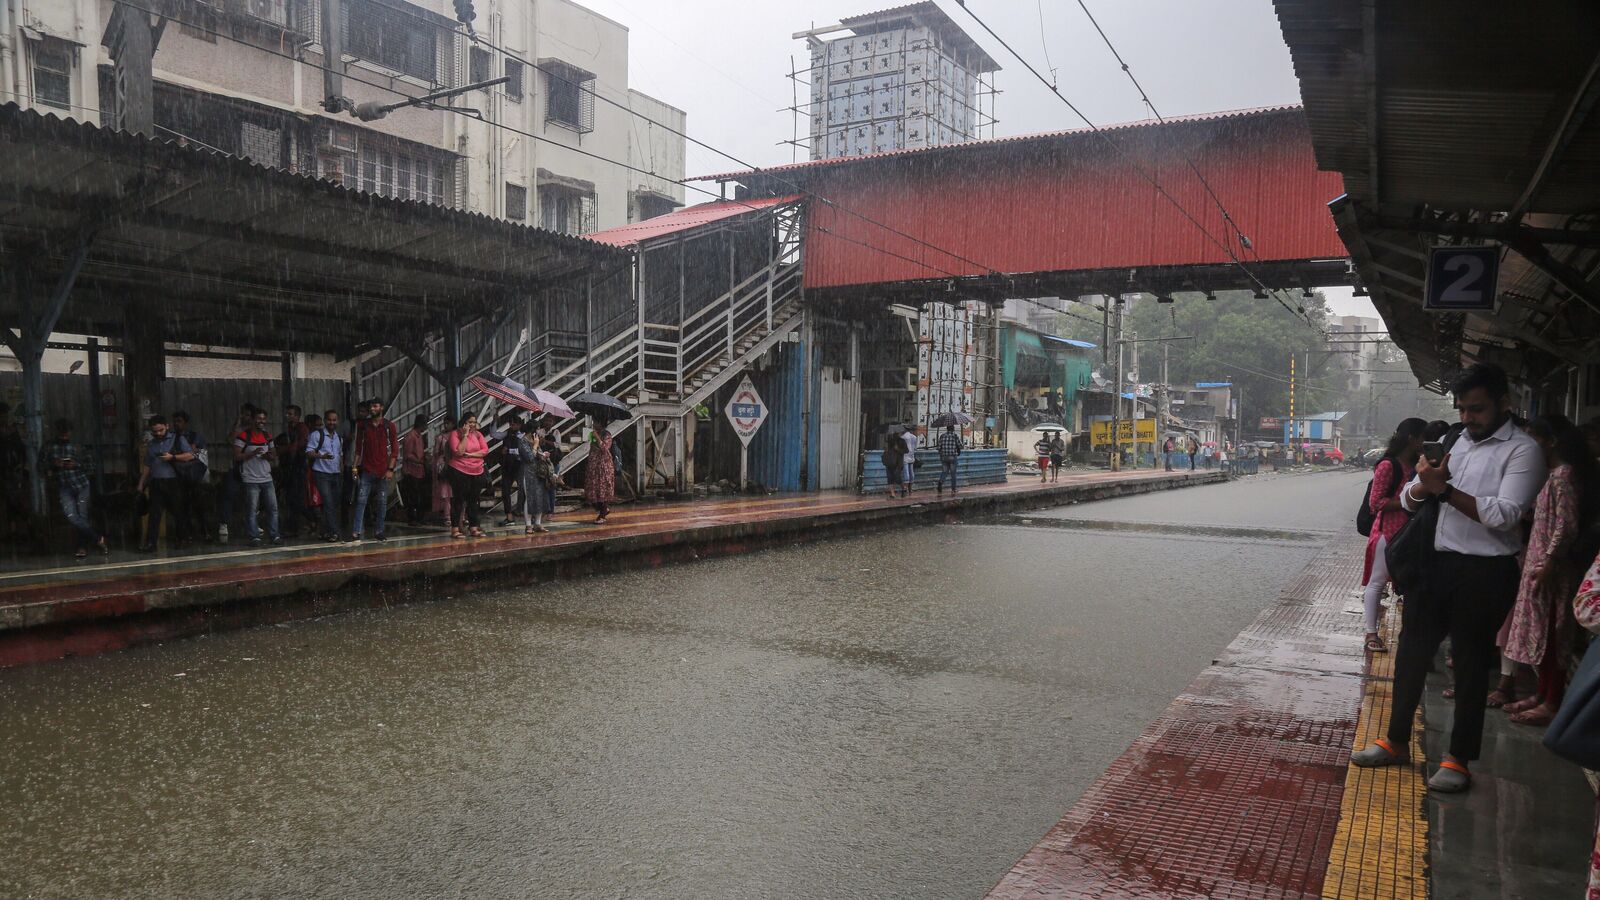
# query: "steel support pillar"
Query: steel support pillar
{"points": [[28, 345]]}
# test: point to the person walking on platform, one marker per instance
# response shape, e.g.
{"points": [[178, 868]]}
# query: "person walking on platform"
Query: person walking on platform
{"points": [[1058, 456], [374, 460], [414, 471], [1194, 447], [255, 453], [1167, 449], [1541, 622], [467, 451], [1041, 450], [325, 450], [1484, 482], [162, 453], [1398, 464], [600, 472], [948, 444], [70, 465]]}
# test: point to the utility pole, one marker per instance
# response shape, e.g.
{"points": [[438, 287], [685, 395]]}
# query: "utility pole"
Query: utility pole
{"points": [[1294, 426], [1116, 400], [1164, 408]]}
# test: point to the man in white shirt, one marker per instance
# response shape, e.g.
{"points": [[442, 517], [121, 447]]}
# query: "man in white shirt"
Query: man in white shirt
{"points": [[1486, 482], [910, 437]]}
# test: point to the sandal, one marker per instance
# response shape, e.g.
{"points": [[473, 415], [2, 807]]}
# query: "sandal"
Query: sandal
{"points": [[1504, 696], [476, 532], [82, 553], [528, 530], [456, 534], [600, 521], [1375, 644]]}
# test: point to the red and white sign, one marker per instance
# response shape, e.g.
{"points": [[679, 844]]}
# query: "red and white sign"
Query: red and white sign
{"points": [[746, 411]]}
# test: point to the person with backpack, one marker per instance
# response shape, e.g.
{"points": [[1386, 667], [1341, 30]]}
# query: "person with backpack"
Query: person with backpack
{"points": [[1383, 518], [374, 460], [1464, 575], [325, 451], [1541, 622], [163, 453]]}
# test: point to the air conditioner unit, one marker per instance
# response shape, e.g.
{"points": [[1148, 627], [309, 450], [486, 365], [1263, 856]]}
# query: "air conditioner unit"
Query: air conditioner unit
{"points": [[339, 140]]}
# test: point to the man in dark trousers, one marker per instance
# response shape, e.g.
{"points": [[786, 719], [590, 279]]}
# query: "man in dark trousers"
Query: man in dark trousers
{"points": [[948, 445], [1484, 484], [375, 458]]}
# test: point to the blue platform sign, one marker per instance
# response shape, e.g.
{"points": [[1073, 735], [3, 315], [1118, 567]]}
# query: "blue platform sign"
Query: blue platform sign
{"points": [[1462, 279], [746, 411]]}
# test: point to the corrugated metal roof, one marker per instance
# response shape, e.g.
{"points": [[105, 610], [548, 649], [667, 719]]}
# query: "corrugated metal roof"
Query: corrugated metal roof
{"points": [[1081, 345], [243, 255], [970, 146], [689, 217]]}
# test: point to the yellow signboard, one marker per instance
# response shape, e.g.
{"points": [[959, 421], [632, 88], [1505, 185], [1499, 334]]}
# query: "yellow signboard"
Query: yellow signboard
{"points": [[1142, 430]]}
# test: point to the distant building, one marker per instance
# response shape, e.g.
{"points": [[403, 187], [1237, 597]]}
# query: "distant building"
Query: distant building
{"points": [[1358, 341], [1208, 408], [904, 78], [246, 78]]}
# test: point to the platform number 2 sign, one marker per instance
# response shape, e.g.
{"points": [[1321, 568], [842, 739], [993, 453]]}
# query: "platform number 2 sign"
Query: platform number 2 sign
{"points": [[1462, 278]]}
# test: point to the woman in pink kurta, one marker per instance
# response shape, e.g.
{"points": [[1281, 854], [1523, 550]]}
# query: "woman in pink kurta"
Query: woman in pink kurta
{"points": [[1383, 498], [1541, 622], [1586, 609]]}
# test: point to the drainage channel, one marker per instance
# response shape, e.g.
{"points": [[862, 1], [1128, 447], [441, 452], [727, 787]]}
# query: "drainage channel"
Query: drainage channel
{"points": [[1162, 529]]}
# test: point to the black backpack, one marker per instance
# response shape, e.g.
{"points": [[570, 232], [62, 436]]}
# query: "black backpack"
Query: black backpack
{"points": [[1365, 516]]}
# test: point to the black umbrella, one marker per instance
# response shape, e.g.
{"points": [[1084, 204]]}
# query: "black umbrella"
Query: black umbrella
{"points": [[951, 418], [601, 406], [894, 428]]}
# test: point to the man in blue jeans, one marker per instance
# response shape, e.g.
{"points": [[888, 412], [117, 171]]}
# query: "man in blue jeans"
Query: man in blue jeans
{"points": [[255, 453], [325, 450], [71, 465], [375, 456]]}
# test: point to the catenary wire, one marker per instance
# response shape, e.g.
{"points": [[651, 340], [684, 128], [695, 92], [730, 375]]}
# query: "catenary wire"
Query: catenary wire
{"points": [[1136, 167]]}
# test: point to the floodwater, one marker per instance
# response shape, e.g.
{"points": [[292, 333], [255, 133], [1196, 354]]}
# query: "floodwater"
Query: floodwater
{"points": [[896, 715]]}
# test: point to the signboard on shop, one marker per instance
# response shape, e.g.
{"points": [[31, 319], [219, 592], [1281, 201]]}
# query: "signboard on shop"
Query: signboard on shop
{"points": [[1145, 429], [1271, 423]]}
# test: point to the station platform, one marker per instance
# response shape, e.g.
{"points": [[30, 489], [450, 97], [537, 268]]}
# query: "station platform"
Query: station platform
{"points": [[1243, 787], [51, 609]]}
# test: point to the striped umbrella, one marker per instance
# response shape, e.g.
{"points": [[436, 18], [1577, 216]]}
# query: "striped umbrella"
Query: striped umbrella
{"points": [[506, 391]]}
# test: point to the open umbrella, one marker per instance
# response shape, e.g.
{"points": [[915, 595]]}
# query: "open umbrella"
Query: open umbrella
{"points": [[553, 405], [894, 428], [506, 391], [601, 406], [1050, 426], [951, 418]]}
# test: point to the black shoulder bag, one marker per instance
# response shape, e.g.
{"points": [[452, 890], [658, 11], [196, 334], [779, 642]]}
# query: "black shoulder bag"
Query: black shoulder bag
{"points": [[1410, 552]]}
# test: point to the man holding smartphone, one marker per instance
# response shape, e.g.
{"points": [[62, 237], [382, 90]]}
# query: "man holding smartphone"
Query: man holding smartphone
{"points": [[253, 450], [1484, 483]]}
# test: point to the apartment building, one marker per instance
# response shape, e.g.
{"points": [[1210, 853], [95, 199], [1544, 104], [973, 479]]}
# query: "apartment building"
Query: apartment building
{"points": [[246, 77]]}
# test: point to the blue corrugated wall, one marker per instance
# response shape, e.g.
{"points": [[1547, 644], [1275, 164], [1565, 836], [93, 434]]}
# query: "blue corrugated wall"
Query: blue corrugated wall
{"points": [[775, 451]]}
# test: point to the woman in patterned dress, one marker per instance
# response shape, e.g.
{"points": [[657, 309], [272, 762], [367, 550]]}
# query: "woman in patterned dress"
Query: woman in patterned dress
{"points": [[600, 474], [1586, 609], [1541, 625], [1391, 473]]}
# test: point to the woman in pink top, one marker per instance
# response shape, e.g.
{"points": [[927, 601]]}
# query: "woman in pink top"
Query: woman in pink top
{"points": [[1383, 498], [467, 451]]}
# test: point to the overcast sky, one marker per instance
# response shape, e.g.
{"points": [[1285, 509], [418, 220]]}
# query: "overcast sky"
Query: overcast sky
{"points": [[726, 63]]}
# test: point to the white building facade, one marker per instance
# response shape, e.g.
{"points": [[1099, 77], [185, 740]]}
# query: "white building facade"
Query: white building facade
{"points": [[246, 77]]}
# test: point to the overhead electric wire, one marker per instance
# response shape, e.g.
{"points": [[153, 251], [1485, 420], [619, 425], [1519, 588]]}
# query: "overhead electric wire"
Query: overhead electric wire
{"points": [[1136, 167], [754, 169], [198, 27]]}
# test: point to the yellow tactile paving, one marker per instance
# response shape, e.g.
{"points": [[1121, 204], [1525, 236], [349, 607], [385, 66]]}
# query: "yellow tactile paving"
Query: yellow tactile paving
{"points": [[1380, 848]]}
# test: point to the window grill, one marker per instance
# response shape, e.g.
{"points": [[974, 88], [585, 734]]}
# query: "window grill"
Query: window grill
{"points": [[569, 96], [516, 202], [394, 39], [52, 74], [480, 65], [514, 86]]}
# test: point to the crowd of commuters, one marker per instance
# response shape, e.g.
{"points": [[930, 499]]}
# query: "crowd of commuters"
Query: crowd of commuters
{"points": [[1512, 509], [315, 477]]}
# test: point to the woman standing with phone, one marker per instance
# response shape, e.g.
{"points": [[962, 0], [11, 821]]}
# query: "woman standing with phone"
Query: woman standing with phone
{"points": [[1398, 464]]}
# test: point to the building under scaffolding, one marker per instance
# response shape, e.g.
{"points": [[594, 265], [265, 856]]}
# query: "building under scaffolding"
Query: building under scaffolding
{"points": [[903, 78]]}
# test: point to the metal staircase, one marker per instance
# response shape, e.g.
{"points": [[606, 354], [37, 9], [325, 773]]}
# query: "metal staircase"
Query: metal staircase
{"points": [[663, 355]]}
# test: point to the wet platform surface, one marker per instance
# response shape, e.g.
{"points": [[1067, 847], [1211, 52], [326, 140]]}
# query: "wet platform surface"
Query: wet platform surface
{"points": [[1243, 788]]}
